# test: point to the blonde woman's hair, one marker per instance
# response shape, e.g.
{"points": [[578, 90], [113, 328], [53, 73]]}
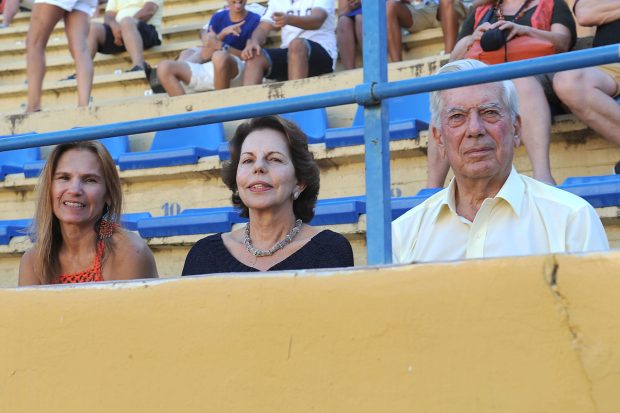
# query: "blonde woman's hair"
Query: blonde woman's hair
{"points": [[45, 229]]}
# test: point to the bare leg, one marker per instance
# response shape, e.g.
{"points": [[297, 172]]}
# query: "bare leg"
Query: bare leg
{"points": [[449, 24], [437, 166], [297, 60], [224, 69], [255, 70], [358, 31], [171, 73], [397, 17], [42, 21], [587, 93], [346, 41], [10, 10], [132, 41], [536, 129], [96, 37], [77, 25]]}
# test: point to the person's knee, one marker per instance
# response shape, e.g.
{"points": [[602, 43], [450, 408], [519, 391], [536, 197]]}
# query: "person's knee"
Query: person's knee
{"points": [[220, 60], [344, 24], [128, 23], [569, 86], [164, 69], [297, 49], [392, 8]]}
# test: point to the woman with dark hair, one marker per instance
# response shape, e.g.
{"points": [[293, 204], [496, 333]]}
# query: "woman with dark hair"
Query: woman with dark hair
{"points": [[275, 183], [76, 226]]}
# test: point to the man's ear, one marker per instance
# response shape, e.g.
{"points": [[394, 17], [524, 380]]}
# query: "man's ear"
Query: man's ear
{"points": [[517, 127], [438, 141]]}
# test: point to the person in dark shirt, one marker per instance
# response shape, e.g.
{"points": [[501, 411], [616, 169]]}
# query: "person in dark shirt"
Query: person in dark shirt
{"points": [[589, 92], [275, 183]]}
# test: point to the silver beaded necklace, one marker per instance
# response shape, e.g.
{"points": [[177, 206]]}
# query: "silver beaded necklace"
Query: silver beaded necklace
{"points": [[279, 245]]}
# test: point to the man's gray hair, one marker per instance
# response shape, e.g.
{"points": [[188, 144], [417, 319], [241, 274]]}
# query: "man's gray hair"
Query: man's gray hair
{"points": [[508, 91]]}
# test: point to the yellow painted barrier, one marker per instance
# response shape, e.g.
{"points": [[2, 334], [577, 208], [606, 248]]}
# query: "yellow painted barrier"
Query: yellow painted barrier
{"points": [[533, 334]]}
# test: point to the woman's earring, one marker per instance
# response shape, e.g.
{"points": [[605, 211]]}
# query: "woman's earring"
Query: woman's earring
{"points": [[106, 227], [296, 195]]}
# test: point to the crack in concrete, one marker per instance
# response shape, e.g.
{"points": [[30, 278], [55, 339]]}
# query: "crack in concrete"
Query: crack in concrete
{"points": [[551, 274]]}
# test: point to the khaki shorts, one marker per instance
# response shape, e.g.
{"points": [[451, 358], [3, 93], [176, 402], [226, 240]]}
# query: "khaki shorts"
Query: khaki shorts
{"points": [[427, 16], [613, 70]]}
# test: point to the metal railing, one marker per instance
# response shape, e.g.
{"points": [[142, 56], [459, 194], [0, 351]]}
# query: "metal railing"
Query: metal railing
{"points": [[371, 94]]}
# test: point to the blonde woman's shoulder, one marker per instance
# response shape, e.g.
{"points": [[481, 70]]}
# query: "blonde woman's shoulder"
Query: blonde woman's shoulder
{"points": [[26, 269], [131, 259]]}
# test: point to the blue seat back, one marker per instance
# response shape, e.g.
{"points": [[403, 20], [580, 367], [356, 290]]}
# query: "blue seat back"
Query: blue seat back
{"points": [[202, 136], [402, 108], [312, 122], [116, 145]]}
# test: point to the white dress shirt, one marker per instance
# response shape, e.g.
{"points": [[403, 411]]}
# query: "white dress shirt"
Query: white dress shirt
{"points": [[526, 217]]}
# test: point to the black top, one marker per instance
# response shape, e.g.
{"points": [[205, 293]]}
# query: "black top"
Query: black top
{"points": [[607, 34], [326, 249], [561, 14]]}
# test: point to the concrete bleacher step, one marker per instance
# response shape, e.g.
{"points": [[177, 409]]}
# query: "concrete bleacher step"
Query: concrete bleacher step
{"points": [[13, 89]]}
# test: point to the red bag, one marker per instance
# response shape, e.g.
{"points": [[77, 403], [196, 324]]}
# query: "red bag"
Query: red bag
{"points": [[518, 48]]}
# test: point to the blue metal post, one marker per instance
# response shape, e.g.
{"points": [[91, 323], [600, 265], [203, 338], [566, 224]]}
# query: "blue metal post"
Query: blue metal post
{"points": [[377, 144]]}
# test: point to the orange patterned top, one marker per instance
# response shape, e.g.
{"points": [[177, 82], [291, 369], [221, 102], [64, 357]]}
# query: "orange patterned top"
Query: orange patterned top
{"points": [[90, 275]]}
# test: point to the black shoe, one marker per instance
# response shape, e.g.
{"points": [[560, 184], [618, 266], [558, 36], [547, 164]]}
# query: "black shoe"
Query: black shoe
{"points": [[151, 77], [136, 68], [617, 168]]}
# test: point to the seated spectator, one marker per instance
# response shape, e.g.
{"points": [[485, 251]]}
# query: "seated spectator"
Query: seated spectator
{"points": [[76, 224], [589, 92], [45, 14], [275, 183], [415, 16], [549, 20], [225, 38], [131, 26], [349, 31], [308, 31], [489, 210]]}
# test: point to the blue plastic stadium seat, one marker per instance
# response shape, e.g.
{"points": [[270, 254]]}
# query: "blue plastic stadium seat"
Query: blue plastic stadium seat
{"points": [[130, 221], [13, 228], [312, 122], [339, 210], [408, 116], [177, 147], [599, 191], [12, 162], [403, 204], [224, 151], [116, 145], [190, 221]]}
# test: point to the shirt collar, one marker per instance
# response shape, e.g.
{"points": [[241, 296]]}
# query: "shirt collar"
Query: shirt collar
{"points": [[512, 192]]}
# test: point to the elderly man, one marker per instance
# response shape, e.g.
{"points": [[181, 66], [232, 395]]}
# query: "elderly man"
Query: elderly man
{"points": [[489, 210]]}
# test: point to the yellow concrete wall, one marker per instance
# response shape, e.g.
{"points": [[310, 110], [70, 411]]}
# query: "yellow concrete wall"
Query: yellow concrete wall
{"points": [[535, 334]]}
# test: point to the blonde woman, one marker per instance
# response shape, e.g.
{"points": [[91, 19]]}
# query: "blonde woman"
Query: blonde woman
{"points": [[76, 224]]}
